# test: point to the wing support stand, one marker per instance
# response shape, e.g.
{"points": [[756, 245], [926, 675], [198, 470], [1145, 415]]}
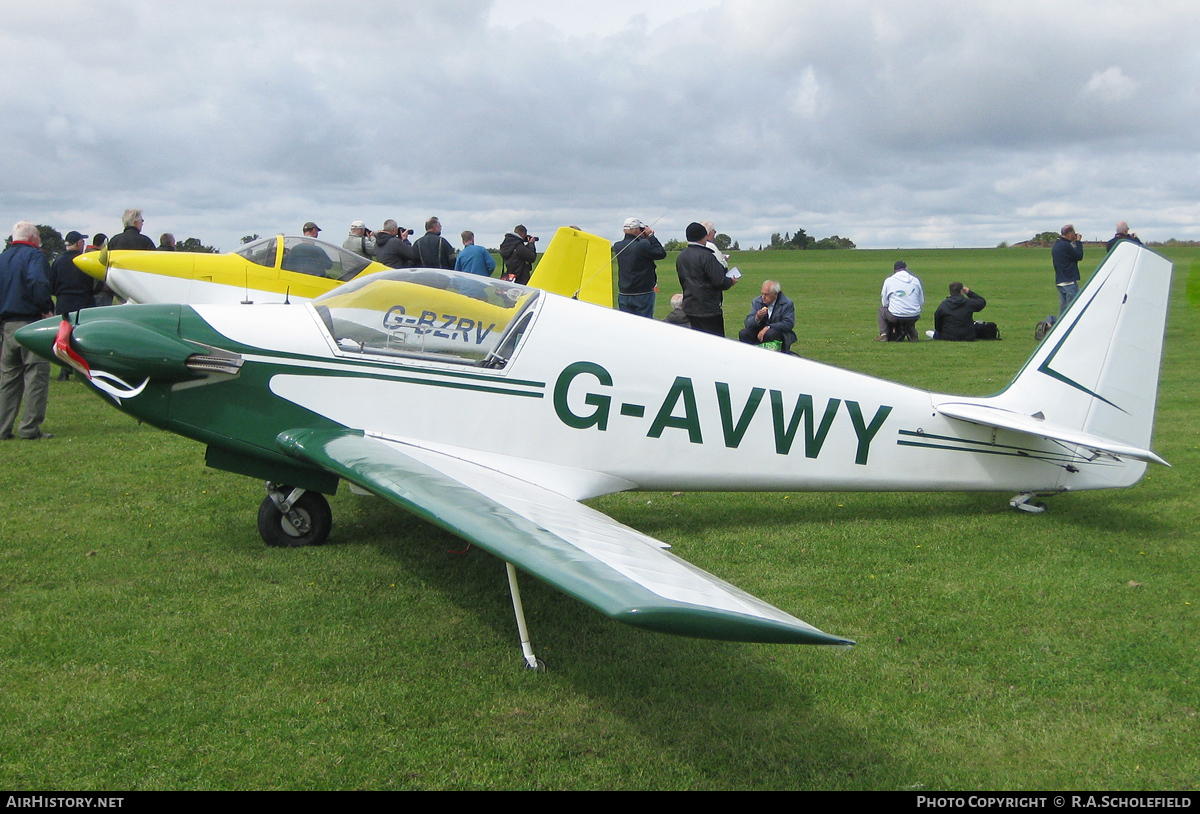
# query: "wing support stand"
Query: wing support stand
{"points": [[1021, 503], [531, 661]]}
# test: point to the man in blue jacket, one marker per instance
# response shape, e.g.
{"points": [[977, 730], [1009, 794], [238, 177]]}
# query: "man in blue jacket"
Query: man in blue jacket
{"points": [[772, 318], [24, 298], [474, 259]]}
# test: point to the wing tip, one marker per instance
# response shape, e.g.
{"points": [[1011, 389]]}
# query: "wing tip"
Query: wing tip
{"points": [[700, 623]]}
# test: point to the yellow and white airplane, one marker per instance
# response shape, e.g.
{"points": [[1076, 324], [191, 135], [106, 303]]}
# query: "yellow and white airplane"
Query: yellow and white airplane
{"points": [[287, 268]]}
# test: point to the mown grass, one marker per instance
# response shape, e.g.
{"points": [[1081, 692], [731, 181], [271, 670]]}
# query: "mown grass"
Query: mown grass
{"points": [[150, 640]]}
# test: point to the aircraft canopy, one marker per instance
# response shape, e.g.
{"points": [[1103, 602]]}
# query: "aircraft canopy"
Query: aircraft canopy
{"points": [[427, 313]]}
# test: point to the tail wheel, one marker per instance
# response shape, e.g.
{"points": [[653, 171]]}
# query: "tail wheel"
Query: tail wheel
{"points": [[277, 529]]}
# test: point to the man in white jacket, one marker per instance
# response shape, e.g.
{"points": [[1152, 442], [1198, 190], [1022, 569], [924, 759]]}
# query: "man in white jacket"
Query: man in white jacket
{"points": [[902, 300]]}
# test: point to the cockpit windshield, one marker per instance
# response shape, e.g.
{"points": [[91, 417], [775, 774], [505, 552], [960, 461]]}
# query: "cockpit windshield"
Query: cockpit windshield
{"points": [[306, 256], [260, 252], [431, 314]]}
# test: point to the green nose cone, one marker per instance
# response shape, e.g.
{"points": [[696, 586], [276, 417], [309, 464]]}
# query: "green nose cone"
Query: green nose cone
{"points": [[39, 337]]}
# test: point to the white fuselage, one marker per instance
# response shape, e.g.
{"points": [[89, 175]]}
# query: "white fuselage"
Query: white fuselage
{"points": [[596, 400]]}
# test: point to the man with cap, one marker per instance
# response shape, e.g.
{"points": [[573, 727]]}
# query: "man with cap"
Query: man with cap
{"points": [[637, 276], [703, 281], [360, 241], [308, 258], [901, 301], [24, 298], [73, 290]]}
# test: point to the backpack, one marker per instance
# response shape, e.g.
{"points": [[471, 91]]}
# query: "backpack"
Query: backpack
{"points": [[986, 330], [1043, 327]]}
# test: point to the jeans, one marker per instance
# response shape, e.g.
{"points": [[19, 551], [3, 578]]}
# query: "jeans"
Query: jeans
{"points": [[640, 304], [1066, 293]]}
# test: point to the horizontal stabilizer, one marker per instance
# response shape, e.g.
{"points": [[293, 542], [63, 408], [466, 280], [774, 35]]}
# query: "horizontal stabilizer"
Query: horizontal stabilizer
{"points": [[611, 567], [1008, 420]]}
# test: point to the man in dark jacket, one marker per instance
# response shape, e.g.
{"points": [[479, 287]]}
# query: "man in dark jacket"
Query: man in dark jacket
{"points": [[954, 320], [1066, 253], [1123, 233], [637, 276], [772, 318], [24, 298], [433, 251], [703, 281], [73, 290], [132, 238], [518, 252], [392, 247]]}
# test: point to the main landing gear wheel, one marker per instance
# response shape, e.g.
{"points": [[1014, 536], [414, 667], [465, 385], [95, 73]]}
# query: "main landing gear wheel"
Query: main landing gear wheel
{"points": [[293, 520]]}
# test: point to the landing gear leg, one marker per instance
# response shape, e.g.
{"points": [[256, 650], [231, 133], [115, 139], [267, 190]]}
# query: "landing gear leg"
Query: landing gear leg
{"points": [[531, 661], [1022, 503]]}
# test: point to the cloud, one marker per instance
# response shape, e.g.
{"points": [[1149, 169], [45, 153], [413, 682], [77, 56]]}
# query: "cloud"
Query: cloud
{"points": [[1110, 85], [936, 122]]}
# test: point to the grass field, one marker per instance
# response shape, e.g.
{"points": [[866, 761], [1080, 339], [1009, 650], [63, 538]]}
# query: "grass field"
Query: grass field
{"points": [[150, 641]]}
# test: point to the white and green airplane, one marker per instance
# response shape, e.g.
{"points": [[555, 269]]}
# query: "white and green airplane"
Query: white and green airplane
{"points": [[492, 410]]}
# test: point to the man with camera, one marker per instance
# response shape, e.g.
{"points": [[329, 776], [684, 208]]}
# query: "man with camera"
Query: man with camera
{"points": [[360, 241], [1066, 253], [637, 276], [518, 252]]}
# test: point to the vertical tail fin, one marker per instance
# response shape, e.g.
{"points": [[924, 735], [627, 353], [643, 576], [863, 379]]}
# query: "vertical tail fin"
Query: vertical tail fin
{"points": [[1093, 381], [576, 264]]}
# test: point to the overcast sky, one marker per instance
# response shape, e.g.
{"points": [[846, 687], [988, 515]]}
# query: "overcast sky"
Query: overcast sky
{"points": [[894, 124]]}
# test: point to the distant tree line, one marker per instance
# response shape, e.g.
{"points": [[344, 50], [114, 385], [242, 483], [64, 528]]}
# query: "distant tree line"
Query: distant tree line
{"points": [[802, 241], [799, 241]]}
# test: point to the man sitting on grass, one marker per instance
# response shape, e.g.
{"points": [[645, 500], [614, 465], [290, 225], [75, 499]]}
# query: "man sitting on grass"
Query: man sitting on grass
{"points": [[954, 319], [772, 319]]}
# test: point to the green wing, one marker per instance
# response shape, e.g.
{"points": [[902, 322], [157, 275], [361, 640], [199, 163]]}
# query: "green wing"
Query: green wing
{"points": [[615, 569]]}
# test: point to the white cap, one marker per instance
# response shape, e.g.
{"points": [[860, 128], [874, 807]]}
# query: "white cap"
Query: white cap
{"points": [[634, 223]]}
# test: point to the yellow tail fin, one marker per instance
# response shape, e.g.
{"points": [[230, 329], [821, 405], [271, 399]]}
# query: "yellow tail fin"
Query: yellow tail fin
{"points": [[576, 264]]}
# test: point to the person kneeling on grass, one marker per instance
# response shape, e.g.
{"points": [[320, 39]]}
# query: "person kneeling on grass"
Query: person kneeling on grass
{"points": [[901, 300], [954, 320]]}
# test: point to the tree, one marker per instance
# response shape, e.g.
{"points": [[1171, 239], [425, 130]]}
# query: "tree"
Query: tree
{"points": [[193, 244], [736, 247], [801, 240], [249, 238], [834, 242], [674, 245], [52, 242], [1045, 239], [722, 241]]}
